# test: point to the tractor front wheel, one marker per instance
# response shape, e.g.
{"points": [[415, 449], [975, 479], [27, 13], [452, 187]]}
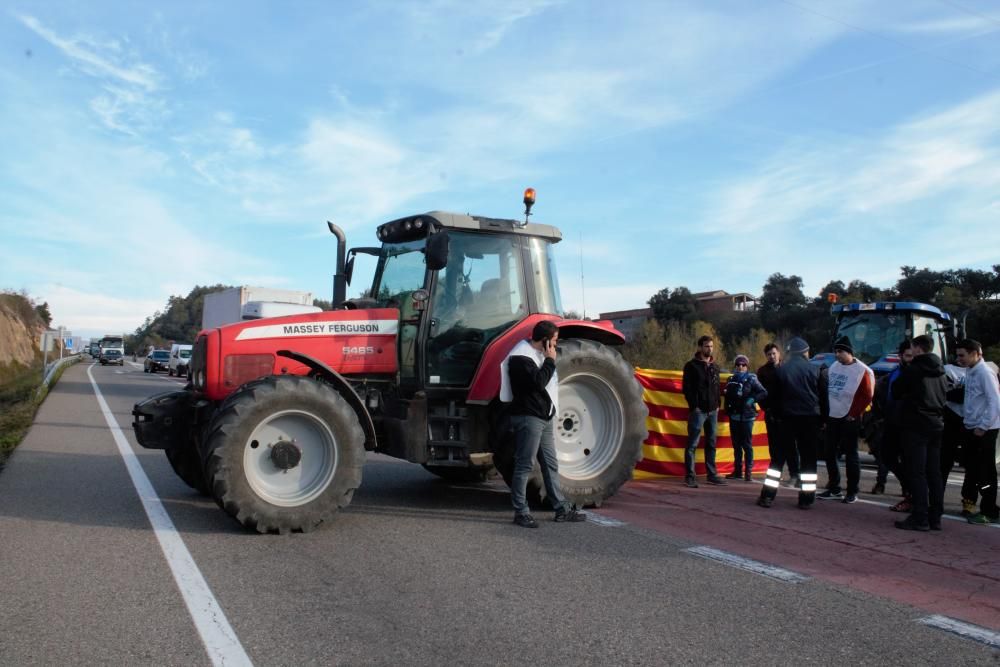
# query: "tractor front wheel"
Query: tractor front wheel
{"points": [[284, 454]]}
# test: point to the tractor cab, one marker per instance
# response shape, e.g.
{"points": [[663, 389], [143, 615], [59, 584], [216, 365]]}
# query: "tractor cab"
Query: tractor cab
{"points": [[460, 281], [876, 330]]}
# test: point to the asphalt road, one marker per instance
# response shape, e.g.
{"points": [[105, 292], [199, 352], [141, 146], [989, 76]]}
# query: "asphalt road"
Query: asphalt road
{"points": [[419, 572]]}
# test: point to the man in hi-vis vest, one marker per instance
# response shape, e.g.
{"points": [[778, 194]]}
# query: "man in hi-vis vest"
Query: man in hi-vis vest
{"points": [[529, 382]]}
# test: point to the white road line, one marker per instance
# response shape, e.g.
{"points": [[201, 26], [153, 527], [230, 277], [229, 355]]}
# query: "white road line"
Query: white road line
{"points": [[747, 564], [966, 630], [221, 643], [601, 520]]}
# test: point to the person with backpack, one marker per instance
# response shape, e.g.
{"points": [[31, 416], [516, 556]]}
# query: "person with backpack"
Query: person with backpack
{"points": [[743, 392]]}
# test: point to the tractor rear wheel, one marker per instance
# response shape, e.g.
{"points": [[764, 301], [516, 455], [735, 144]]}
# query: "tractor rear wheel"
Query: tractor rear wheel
{"points": [[599, 429], [284, 454]]}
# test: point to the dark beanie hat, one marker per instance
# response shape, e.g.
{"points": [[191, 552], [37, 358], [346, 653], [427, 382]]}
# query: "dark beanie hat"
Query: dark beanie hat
{"points": [[843, 343], [797, 346]]}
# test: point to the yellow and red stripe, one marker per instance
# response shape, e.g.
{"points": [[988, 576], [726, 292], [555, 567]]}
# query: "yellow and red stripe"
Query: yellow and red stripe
{"points": [[663, 451]]}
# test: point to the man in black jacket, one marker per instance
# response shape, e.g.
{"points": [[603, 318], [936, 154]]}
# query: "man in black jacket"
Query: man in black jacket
{"points": [[921, 387], [776, 439], [802, 400], [701, 391], [530, 384]]}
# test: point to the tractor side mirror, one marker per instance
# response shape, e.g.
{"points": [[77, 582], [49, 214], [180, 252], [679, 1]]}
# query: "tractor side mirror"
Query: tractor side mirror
{"points": [[349, 270], [436, 251]]}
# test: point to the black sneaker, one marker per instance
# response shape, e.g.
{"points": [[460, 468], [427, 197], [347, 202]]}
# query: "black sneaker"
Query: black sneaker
{"points": [[878, 489], [764, 501], [850, 498], [935, 525], [733, 475], [570, 516], [717, 481], [691, 482], [909, 524], [830, 494], [525, 521], [805, 506]]}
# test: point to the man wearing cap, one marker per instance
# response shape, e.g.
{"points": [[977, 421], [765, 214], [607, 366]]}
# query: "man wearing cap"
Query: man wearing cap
{"points": [[802, 400], [851, 388]]}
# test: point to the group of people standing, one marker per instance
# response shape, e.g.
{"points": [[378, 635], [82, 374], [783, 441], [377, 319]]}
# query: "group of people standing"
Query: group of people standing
{"points": [[807, 404]]}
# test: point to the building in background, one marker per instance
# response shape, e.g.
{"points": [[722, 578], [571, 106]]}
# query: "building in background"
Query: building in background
{"points": [[629, 322]]}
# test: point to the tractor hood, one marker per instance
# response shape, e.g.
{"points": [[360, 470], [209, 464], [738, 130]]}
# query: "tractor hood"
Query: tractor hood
{"points": [[348, 341]]}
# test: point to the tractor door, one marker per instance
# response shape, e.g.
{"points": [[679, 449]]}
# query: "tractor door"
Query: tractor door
{"points": [[475, 298]]}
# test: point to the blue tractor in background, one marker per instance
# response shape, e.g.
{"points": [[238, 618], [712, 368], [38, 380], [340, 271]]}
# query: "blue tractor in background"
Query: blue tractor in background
{"points": [[876, 330]]}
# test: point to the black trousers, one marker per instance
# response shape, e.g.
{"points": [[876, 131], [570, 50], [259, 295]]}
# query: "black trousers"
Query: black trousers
{"points": [[778, 441], [842, 436], [983, 471], [956, 446], [922, 453], [802, 434], [890, 456]]}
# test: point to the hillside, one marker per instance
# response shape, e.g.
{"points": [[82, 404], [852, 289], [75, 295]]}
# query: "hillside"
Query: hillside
{"points": [[21, 324]]}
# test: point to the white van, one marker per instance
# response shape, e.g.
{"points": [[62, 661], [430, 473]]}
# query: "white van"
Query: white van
{"points": [[180, 360]]}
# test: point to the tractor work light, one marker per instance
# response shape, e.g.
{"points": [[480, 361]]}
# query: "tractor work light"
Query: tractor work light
{"points": [[406, 229]]}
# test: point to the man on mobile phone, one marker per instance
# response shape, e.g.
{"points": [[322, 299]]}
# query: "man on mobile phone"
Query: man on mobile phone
{"points": [[529, 382]]}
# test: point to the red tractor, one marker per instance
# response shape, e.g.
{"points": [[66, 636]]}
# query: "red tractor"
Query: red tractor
{"points": [[279, 412]]}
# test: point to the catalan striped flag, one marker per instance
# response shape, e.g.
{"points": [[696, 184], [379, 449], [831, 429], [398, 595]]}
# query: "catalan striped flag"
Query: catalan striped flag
{"points": [[663, 451]]}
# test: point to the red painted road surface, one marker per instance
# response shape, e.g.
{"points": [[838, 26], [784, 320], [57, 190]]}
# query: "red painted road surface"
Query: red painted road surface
{"points": [[954, 572]]}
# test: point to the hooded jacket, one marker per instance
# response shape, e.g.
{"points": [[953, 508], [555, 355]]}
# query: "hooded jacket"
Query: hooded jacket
{"points": [[701, 384], [982, 398], [801, 389], [921, 388]]}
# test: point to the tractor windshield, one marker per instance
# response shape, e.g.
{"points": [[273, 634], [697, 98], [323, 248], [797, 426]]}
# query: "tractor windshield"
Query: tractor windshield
{"points": [[400, 272], [874, 335], [545, 277]]}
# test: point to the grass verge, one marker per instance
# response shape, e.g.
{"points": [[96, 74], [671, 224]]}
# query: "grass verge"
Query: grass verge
{"points": [[19, 400]]}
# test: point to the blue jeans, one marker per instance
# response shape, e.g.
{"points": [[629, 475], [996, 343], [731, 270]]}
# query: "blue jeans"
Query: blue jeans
{"points": [[534, 438], [696, 421]]}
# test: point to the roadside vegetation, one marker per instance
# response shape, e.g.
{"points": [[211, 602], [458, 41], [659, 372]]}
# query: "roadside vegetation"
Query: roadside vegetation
{"points": [[19, 400]]}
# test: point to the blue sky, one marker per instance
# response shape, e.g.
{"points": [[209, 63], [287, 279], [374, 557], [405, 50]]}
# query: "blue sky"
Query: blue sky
{"points": [[150, 147]]}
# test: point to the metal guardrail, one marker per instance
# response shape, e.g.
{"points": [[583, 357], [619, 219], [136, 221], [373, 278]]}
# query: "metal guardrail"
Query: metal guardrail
{"points": [[54, 366]]}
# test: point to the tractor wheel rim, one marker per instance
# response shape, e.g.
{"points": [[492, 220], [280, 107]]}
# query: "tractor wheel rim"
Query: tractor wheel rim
{"points": [[312, 472], [589, 427]]}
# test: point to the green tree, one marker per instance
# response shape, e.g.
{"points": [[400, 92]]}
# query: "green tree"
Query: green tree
{"points": [[678, 305], [782, 293], [44, 314]]}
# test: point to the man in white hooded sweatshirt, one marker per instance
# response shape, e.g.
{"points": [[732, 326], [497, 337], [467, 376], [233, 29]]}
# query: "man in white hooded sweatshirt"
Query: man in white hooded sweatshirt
{"points": [[529, 382]]}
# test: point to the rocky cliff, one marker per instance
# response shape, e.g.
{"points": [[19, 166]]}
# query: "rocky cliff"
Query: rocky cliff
{"points": [[20, 329]]}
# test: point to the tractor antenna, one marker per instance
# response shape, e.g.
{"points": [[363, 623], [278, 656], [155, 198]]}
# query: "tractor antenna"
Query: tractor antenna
{"points": [[583, 291]]}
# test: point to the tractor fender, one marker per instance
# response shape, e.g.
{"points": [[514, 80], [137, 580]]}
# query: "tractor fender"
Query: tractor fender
{"points": [[343, 387], [486, 382]]}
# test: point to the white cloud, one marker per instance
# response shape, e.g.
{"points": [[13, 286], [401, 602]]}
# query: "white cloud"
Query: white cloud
{"points": [[129, 103], [955, 24]]}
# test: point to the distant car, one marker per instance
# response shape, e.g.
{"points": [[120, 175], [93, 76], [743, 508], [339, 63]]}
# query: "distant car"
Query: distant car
{"points": [[112, 357], [157, 360], [180, 359]]}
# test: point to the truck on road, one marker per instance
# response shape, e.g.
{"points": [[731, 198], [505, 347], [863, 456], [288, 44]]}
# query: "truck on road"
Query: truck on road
{"points": [[231, 305]]}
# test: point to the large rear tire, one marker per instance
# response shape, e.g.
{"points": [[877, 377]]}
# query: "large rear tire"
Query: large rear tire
{"points": [[599, 429], [284, 454]]}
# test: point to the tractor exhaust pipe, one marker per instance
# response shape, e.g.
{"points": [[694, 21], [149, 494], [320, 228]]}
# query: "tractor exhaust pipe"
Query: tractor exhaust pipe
{"points": [[339, 277]]}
